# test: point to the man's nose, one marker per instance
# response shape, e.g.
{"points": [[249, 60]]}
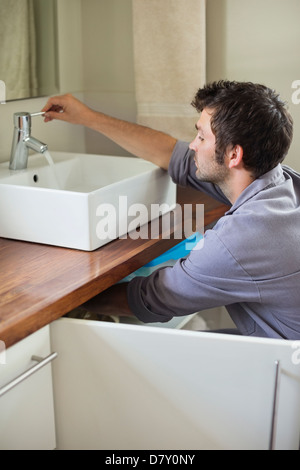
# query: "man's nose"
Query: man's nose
{"points": [[193, 145]]}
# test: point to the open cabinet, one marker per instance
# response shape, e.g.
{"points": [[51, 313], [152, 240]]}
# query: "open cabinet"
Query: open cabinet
{"points": [[119, 386], [116, 386]]}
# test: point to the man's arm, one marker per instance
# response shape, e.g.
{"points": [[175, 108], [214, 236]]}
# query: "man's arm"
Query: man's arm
{"points": [[143, 142]]}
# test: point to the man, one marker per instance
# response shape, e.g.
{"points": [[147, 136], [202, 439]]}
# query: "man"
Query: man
{"points": [[250, 260]]}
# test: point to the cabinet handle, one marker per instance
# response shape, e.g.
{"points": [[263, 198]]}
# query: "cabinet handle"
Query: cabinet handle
{"points": [[41, 362], [275, 406]]}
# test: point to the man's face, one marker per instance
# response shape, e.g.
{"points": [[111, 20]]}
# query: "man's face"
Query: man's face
{"points": [[204, 145]]}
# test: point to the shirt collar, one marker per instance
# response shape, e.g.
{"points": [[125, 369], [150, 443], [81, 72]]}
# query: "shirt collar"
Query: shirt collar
{"points": [[267, 180]]}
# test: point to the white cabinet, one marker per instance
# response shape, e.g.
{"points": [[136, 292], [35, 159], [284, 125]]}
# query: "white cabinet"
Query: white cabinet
{"points": [[26, 409], [138, 387], [130, 387]]}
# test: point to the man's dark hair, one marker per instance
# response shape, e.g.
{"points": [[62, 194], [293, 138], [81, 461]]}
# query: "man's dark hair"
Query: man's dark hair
{"points": [[250, 115]]}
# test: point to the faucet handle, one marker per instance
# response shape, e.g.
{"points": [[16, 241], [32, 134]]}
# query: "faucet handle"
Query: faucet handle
{"points": [[22, 120], [41, 113]]}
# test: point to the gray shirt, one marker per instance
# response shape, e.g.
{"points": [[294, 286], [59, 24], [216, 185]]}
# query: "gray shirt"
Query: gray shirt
{"points": [[249, 262]]}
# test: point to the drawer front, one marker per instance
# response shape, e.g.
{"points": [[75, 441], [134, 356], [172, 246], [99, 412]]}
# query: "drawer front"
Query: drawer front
{"points": [[26, 406]]}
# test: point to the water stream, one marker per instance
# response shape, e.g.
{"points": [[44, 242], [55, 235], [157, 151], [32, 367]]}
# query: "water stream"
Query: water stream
{"points": [[53, 168]]}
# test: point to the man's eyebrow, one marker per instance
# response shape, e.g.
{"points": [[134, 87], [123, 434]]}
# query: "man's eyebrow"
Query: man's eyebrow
{"points": [[198, 128]]}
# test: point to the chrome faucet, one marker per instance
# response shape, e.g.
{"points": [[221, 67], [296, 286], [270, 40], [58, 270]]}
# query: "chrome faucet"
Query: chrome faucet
{"points": [[22, 141]]}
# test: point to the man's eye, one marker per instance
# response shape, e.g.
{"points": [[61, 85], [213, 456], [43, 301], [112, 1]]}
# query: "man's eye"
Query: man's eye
{"points": [[200, 138]]}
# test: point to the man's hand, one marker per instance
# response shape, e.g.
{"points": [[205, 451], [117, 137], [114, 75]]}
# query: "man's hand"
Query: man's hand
{"points": [[68, 108]]}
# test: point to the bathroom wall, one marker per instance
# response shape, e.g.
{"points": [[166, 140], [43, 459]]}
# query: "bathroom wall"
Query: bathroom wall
{"points": [[246, 40], [255, 40], [108, 71]]}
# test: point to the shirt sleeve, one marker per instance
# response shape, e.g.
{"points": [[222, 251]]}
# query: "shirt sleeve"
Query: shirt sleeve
{"points": [[209, 277], [182, 170]]}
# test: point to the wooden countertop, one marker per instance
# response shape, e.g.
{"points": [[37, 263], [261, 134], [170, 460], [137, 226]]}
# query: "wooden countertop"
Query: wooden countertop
{"points": [[40, 283]]}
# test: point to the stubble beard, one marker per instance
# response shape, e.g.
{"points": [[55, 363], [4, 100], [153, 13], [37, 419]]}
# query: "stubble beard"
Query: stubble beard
{"points": [[217, 173]]}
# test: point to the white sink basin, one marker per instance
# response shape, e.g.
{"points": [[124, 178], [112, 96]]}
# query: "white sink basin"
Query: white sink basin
{"points": [[81, 201]]}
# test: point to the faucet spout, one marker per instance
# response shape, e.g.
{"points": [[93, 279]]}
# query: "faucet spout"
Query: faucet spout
{"points": [[23, 141], [36, 145]]}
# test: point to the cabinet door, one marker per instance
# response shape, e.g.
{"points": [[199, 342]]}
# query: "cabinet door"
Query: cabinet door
{"points": [[27, 410], [139, 387]]}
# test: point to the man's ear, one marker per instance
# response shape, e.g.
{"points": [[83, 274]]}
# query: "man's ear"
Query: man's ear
{"points": [[235, 157]]}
